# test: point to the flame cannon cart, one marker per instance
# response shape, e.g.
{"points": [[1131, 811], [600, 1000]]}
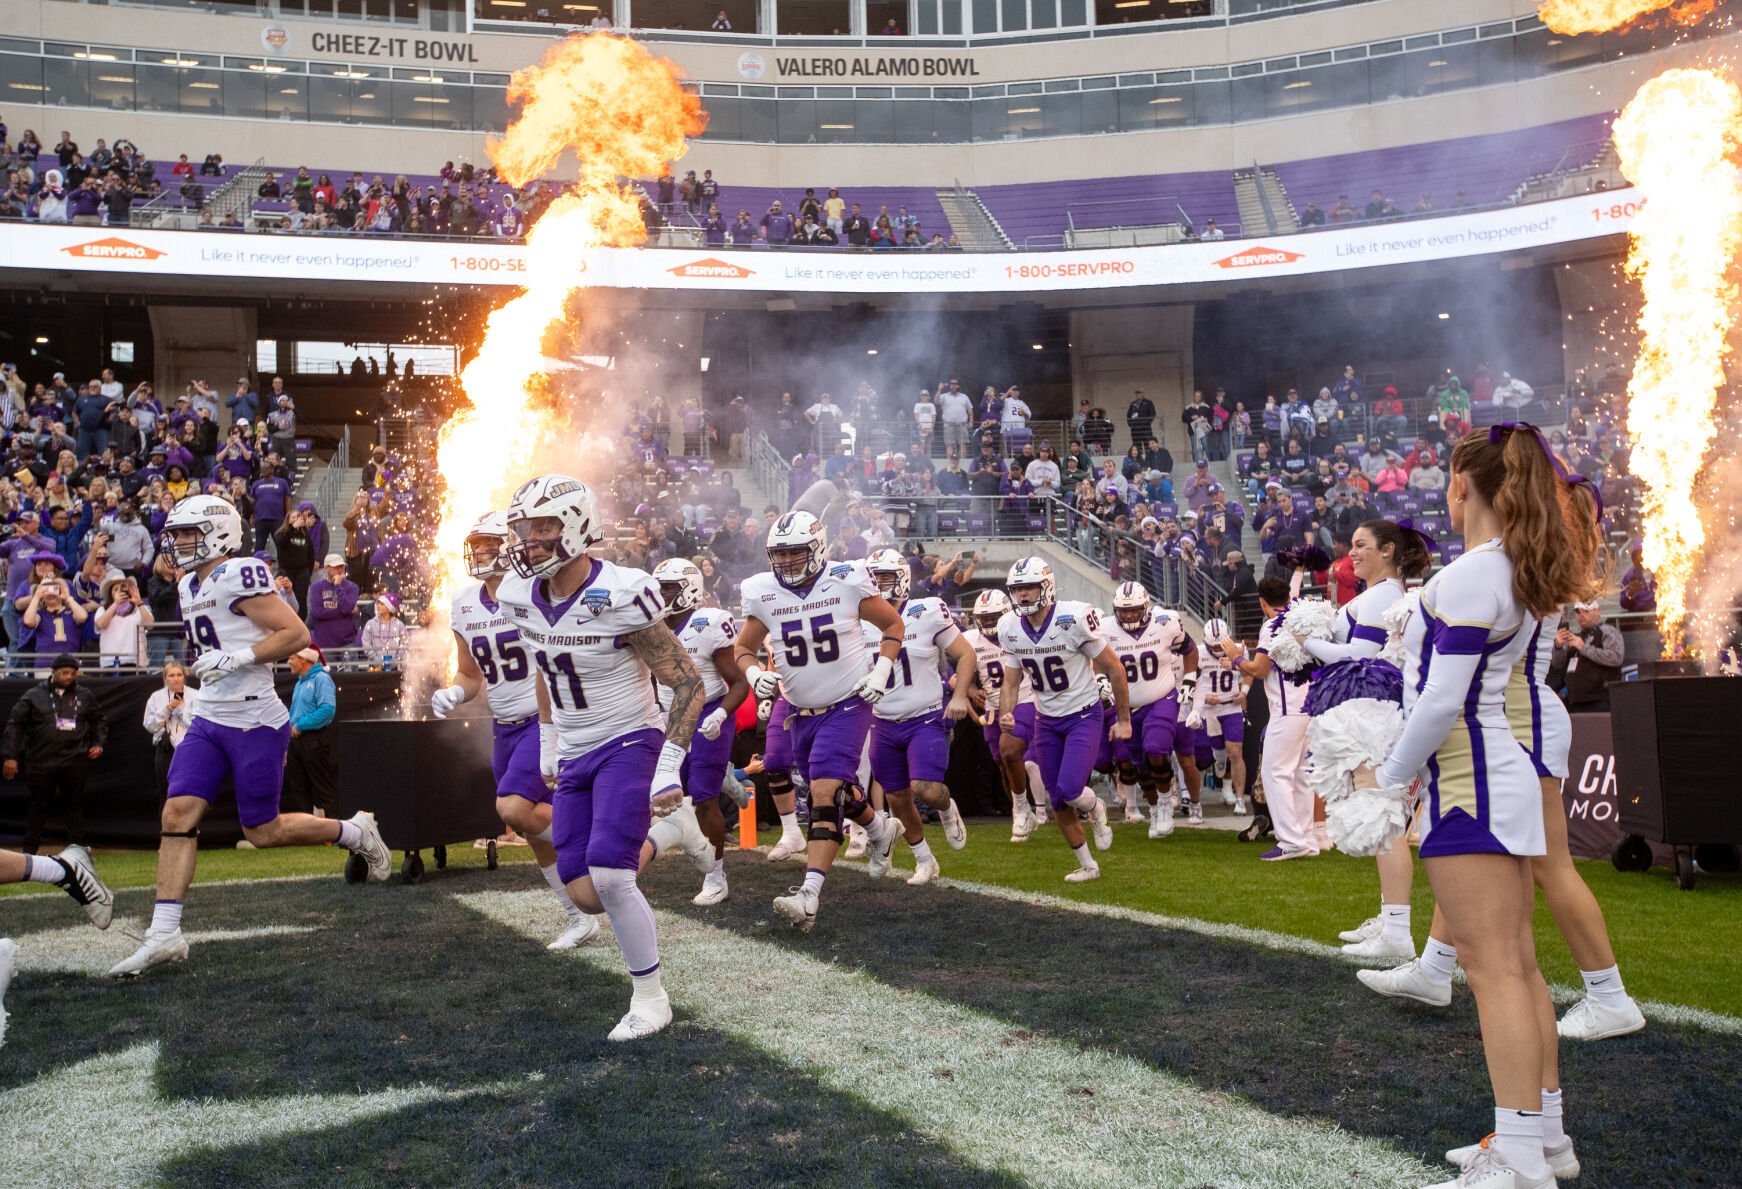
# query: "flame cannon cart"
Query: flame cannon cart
{"points": [[1676, 774], [428, 783]]}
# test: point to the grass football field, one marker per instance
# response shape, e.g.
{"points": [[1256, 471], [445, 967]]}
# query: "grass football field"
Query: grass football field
{"points": [[1182, 1021]]}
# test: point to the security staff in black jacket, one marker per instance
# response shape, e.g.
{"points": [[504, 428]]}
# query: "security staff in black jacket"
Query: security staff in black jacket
{"points": [[56, 730]]}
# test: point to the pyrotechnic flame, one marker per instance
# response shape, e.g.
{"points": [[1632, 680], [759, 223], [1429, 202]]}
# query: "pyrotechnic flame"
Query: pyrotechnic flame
{"points": [[624, 115], [1676, 140], [1600, 16]]}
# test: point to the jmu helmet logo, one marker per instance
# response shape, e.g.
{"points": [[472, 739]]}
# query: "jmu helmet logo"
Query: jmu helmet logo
{"points": [[596, 599]]}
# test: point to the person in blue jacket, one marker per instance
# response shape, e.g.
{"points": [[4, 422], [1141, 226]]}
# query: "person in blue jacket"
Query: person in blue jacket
{"points": [[311, 773]]}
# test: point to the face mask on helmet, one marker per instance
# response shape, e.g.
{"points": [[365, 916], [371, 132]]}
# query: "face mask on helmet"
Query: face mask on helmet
{"points": [[538, 549], [1027, 600], [484, 557], [186, 546], [674, 594], [988, 623], [792, 564], [1131, 618]]}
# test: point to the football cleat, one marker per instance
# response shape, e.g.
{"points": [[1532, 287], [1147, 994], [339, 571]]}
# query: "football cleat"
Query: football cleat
{"points": [[799, 907], [1280, 853], [1561, 1158], [1160, 819], [925, 872], [790, 846], [154, 950], [1589, 1020], [581, 929], [1098, 823], [857, 840], [1377, 947], [1084, 874], [713, 890], [371, 849], [1240, 809], [83, 886], [955, 829], [1021, 820], [692, 841], [1408, 981], [1195, 816], [1367, 928], [882, 848], [1489, 1170], [646, 1016], [8, 959]]}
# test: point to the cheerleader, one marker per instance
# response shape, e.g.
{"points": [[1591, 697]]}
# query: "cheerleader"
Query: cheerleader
{"points": [[1483, 819], [1385, 555]]}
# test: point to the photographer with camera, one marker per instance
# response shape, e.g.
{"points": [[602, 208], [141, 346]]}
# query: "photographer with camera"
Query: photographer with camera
{"points": [[1587, 657], [53, 619]]}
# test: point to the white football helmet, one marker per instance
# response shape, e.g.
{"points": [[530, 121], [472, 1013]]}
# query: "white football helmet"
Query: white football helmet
{"points": [[1033, 577], [888, 563], [567, 501], [217, 522], [680, 584], [989, 608], [1130, 605], [1215, 631], [486, 546], [788, 535]]}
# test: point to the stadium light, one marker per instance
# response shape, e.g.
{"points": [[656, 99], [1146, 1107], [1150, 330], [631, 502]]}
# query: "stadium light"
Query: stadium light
{"points": [[1037, 347], [1444, 316], [1022, 111], [1165, 99], [179, 61], [1295, 86], [837, 127], [93, 57]]}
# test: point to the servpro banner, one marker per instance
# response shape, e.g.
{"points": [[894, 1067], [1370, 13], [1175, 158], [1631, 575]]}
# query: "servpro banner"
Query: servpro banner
{"points": [[44, 250], [1589, 793]]}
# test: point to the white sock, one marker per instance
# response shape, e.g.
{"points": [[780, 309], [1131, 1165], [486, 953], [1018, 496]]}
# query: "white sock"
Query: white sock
{"points": [[1127, 794], [1552, 1131], [646, 986], [1438, 960], [1604, 987], [631, 920], [789, 825], [350, 836], [1085, 801], [813, 881], [165, 917], [1085, 860], [561, 889], [1394, 922], [543, 835], [1518, 1138], [720, 867], [922, 852], [38, 869]]}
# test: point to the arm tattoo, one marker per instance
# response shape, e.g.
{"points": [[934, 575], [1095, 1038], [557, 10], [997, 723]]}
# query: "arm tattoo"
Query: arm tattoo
{"points": [[671, 666]]}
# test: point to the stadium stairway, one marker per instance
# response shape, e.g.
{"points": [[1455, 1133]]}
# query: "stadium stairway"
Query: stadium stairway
{"points": [[975, 228]]}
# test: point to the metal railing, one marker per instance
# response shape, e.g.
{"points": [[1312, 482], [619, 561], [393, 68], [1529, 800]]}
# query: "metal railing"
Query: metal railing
{"points": [[326, 489], [768, 469]]}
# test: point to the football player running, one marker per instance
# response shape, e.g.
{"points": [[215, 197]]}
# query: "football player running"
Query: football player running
{"points": [[1217, 711], [1189, 745], [1009, 748], [238, 628], [810, 612], [70, 871], [707, 636], [1057, 649], [910, 741], [493, 660], [1146, 640], [599, 639]]}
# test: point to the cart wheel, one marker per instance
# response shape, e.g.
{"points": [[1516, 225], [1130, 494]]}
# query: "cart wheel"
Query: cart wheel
{"points": [[1631, 853], [1719, 858], [441, 858], [356, 869], [411, 871], [490, 855], [1684, 870]]}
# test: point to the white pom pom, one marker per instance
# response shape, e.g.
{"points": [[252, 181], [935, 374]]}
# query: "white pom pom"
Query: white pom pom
{"points": [[1365, 821], [1311, 619], [1358, 733], [1396, 618]]}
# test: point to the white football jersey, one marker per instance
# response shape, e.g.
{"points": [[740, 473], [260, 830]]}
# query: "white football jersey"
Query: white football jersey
{"points": [[814, 632], [211, 613], [599, 689], [989, 671], [916, 685], [1218, 680], [705, 633], [494, 643], [1286, 692], [1056, 657], [1149, 655]]}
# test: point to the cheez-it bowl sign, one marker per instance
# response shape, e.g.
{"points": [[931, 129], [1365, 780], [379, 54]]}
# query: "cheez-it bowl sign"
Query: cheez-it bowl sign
{"points": [[113, 248]]}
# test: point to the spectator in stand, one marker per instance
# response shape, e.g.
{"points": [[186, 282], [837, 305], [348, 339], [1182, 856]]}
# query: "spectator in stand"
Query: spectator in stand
{"points": [[1388, 416], [1198, 486], [1347, 389], [777, 225], [955, 413], [299, 543], [384, 636], [714, 228], [1097, 431], [131, 546], [53, 620], [1013, 420], [281, 426], [925, 416], [835, 212], [271, 496], [1511, 393], [1325, 407], [1587, 657], [1373, 458], [244, 403], [1378, 206], [857, 228], [1221, 425], [1344, 584], [1426, 475], [1449, 396], [91, 415], [825, 418], [1312, 216], [122, 623], [1391, 477], [1344, 211], [332, 607], [1140, 417]]}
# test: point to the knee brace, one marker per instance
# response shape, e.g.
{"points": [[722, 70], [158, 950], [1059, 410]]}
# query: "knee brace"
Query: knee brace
{"points": [[853, 802], [1160, 774], [779, 783], [1128, 772], [193, 833], [825, 824]]}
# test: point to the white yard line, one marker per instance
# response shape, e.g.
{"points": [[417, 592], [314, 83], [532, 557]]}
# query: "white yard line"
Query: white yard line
{"points": [[999, 1096], [84, 950]]}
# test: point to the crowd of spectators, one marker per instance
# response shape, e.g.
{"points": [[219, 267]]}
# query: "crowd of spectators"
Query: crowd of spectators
{"points": [[68, 183]]}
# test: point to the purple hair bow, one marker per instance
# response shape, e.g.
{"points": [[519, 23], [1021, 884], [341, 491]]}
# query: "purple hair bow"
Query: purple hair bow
{"points": [[1497, 434], [1408, 525]]}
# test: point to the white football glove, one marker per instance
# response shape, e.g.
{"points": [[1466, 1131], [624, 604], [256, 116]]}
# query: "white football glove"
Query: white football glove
{"points": [[547, 752], [764, 684], [444, 701], [213, 667], [665, 774], [710, 726], [1104, 687], [875, 684], [1194, 720]]}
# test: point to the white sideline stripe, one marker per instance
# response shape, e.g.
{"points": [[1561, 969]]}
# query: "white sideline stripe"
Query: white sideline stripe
{"points": [[1668, 1013], [1012, 1100], [84, 950], [103, 1122]]}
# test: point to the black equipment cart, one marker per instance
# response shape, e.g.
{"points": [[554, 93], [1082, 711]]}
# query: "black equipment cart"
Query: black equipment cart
{"points": [[428, 783]]}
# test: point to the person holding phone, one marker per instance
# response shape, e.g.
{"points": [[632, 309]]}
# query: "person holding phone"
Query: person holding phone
{"points": [[52, 618], [122, 623], [168, 714]]}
